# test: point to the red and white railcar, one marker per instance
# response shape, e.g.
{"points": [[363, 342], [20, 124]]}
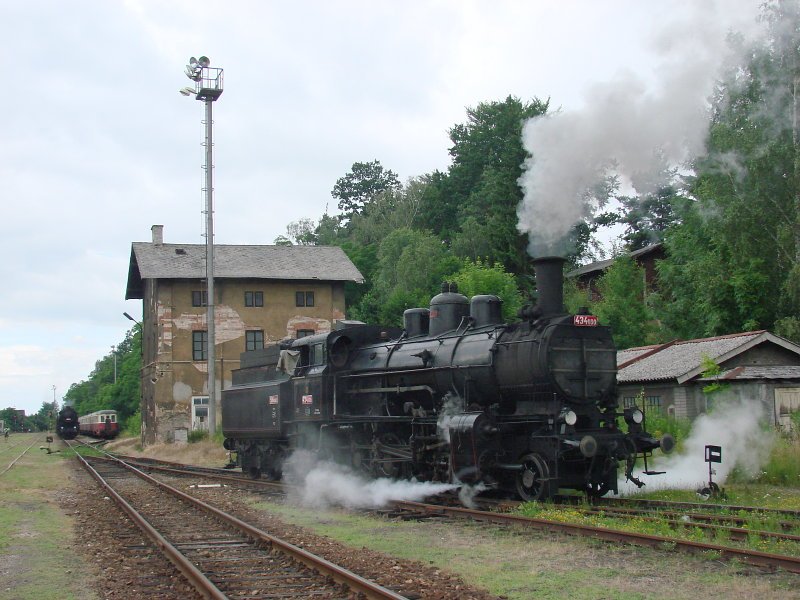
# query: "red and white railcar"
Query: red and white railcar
{"points": [[101, 424]]}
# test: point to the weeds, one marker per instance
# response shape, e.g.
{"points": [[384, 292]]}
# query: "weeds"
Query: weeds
{"points": [[197, 435]]}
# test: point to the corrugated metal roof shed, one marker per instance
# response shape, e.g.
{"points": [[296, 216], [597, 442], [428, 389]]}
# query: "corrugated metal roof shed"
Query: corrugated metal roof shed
{"points": [[682, 361], [187, 261], [751, 373]]}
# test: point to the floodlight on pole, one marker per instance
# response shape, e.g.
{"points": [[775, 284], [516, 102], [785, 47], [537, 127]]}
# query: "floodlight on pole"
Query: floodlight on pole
{"points": [[208, 87]]}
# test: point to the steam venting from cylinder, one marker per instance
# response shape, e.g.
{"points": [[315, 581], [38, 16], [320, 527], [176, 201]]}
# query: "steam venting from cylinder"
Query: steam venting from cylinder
{"points": [[550, 284]]}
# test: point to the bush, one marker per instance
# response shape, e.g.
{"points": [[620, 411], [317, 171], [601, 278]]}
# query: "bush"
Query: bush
{"points": [[133, 425], [197, 435], [783, 467], [658, 424]]}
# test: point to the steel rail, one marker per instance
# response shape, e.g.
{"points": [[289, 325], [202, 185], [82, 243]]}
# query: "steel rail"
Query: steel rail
{"points": [[355, 582], [195, 577], [6, 447], [696, 519], [762, 559], [13, 462], [676, 523], [684, 505]]}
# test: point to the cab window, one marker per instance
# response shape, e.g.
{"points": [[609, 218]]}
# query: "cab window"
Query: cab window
{"points": [[317, 354]]}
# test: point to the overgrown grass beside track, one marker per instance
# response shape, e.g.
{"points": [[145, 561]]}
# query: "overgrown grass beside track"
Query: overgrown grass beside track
{"points": [[663, 528], [532, 564], [36, 562]]}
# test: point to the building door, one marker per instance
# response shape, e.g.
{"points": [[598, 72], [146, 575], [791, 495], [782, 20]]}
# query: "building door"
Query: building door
{"points": [[787, 401], [200, 413]]}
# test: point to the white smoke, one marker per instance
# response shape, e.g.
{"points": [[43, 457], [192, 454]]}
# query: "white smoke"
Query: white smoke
{"points": [[452, 405], [320, 484], [628, 128], [735, 427]]}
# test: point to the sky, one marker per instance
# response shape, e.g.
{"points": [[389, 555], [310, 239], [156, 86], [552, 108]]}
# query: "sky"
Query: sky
{"points": [[97, 145]]}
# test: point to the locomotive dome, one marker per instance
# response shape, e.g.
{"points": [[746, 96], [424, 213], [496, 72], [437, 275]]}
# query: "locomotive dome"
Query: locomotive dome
{"points": [[447, 309]]}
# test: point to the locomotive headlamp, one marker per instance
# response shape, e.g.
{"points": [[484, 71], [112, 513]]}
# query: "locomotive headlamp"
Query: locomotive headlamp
{"points": [[633, 415], [569, 417]]}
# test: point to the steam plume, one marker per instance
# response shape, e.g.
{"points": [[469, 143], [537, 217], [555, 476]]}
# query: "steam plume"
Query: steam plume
{"points": [[322, 484], [735, 426], [627, 127]]}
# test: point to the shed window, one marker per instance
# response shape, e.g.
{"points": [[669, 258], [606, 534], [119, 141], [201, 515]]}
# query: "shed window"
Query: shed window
{"points": [[301, 333], [629, 402], [652, 403], [199, 345]]}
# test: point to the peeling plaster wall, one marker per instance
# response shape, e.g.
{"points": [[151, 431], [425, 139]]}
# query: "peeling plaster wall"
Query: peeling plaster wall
{"points": [[170, 319]]}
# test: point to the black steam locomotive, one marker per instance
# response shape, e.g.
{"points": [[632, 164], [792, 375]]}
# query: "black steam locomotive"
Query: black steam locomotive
{"points": [[67, 423], [456, 396]]}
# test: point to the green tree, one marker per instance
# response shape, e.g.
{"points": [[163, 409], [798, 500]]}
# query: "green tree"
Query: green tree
{"points": [[623, 305], [647, 218], [411, 265], [394, 208], [733, 262], [358, 187], [477, 277], [302, 232], [100, 391], [474, 205]]}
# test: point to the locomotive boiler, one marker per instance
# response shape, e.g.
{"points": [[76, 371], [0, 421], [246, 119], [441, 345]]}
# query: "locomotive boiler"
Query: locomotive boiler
{"points": [[456, 396]]}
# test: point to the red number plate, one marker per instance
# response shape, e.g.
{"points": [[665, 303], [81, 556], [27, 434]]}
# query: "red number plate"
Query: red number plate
{"points": [[308, 399], [584, 320]]}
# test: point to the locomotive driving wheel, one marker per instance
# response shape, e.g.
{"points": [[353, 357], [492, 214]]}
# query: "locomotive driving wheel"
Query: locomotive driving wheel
{"points": [[384, 466], [533, 481]]}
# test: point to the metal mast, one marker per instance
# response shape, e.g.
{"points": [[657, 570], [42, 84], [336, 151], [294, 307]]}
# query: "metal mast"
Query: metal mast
{"points": [[208, 87]]}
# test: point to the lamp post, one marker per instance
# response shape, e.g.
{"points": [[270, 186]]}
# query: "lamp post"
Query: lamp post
{"points": [[130, 318], [208, 83]]}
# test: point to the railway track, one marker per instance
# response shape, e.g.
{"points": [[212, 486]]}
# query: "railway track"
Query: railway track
{"points": [[696, 506], [14, 461], [497, 512], [220, 555]]}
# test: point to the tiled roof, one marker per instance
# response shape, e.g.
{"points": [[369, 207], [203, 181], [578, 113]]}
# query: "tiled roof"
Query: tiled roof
{"points": [[749, 373], [682, 360], [187, 261]]}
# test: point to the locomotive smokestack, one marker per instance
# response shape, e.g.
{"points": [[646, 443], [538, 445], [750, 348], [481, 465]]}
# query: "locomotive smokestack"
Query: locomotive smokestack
{"points": [[550, 284]]}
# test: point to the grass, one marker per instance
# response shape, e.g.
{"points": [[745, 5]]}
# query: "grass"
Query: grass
{"points": [[35, 535], [521, 565]]}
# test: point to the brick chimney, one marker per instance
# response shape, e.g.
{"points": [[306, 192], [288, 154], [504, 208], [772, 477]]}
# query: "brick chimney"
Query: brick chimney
{"points": [[158, 234]]}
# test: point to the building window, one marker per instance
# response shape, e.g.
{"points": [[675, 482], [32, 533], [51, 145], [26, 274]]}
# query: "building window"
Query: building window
{"points": [[653, 403], [254, 340], [629, 402], [199, 345], [304, 298], [254, 298], [200, 298], [301, 333]]}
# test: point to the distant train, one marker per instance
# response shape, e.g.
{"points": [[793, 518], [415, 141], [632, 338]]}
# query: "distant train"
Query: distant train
{"points": [[100, 424], [67, 423]]}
